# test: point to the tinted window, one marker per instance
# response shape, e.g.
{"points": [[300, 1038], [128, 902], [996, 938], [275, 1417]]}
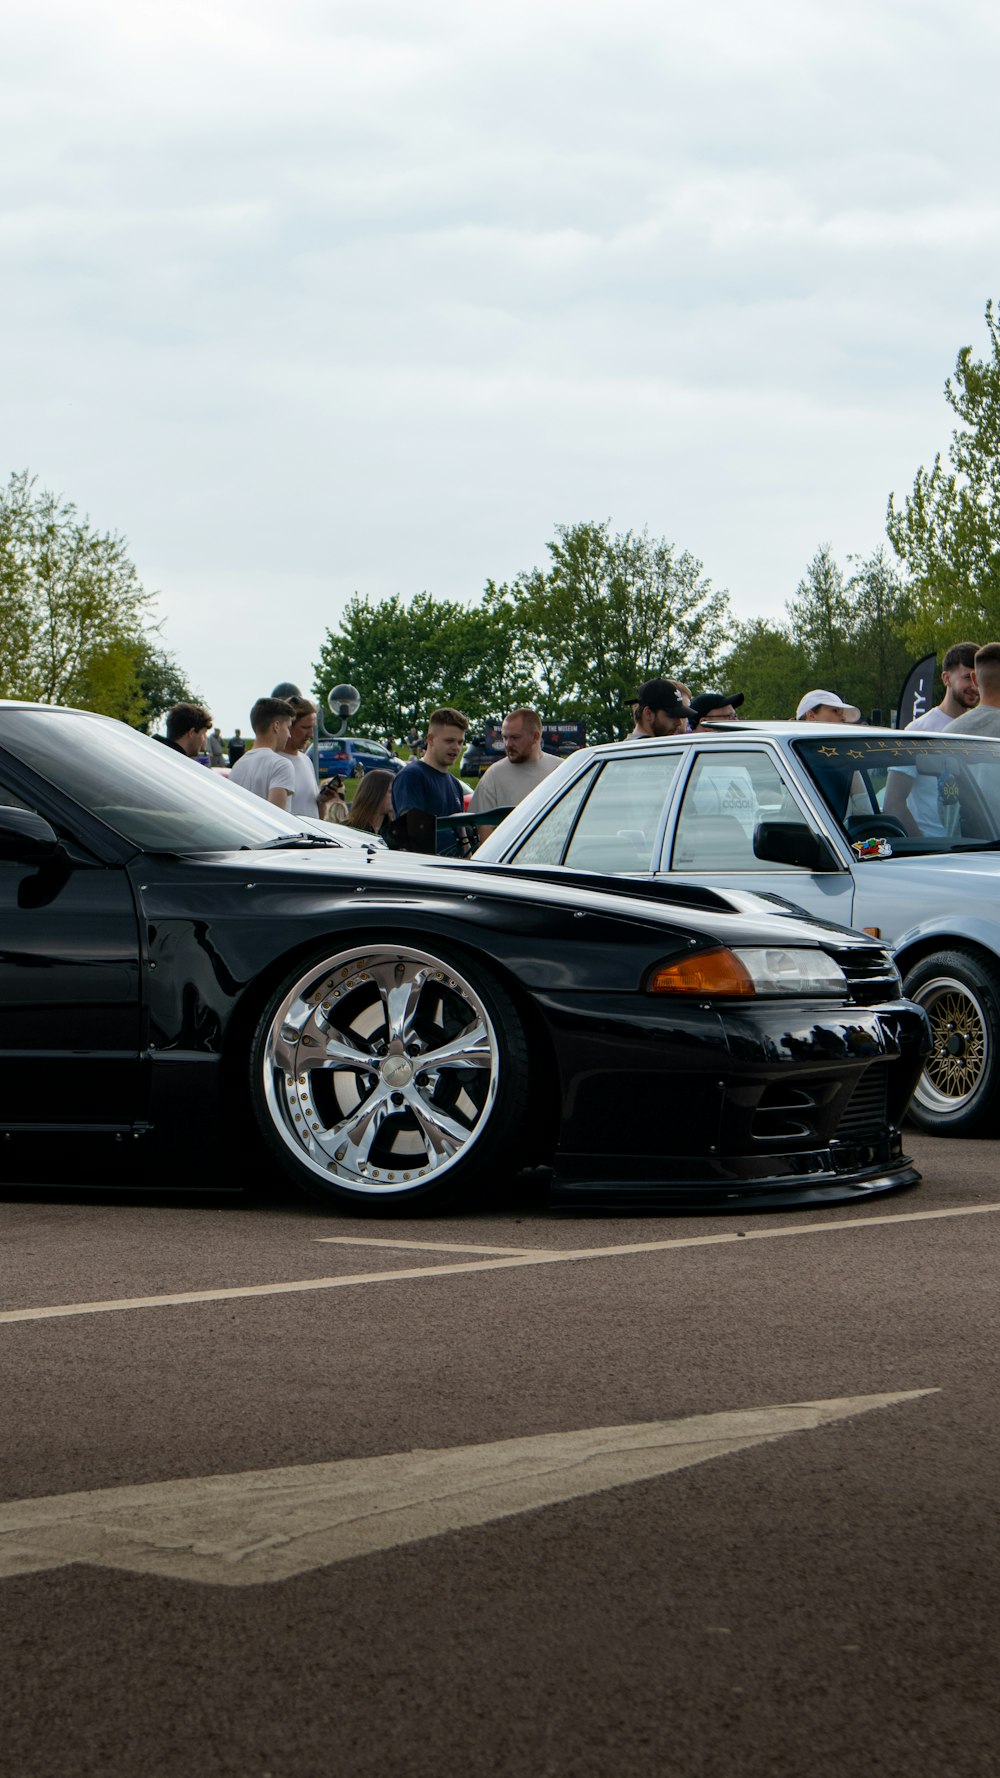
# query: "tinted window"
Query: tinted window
{"points": [[545, 844], [147, 793], [618, 828], [10, 799]]}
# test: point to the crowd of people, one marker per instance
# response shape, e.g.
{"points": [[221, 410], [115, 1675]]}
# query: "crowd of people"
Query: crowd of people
{"points": [[422, 808]]}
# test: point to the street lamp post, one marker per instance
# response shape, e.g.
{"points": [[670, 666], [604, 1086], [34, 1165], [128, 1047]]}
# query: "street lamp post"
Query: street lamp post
{"points": [[343, 701]]}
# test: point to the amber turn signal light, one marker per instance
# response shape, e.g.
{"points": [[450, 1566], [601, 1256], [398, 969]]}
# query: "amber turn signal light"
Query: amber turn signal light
{"points": [[708, 973]]}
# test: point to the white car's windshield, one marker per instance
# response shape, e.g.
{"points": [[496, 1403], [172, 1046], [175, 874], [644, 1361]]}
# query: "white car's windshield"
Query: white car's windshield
{"points": [[923, 794], [147, 793]]}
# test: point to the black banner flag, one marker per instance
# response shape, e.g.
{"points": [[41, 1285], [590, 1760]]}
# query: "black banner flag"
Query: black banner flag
{"points": [[917, 694]]}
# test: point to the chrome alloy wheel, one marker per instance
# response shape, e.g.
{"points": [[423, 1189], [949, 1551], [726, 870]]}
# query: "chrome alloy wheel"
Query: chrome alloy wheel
{"points": [[380, 1069], [961, 1056]]}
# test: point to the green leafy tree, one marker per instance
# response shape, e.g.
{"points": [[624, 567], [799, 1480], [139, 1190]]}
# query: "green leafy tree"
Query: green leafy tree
{"points": [[574, 639], [845, 633], [610, 612], [946, 532], [539, 665], [819, 617], [635, 607], [74, 618], [770, 667], [68, 594], [408, 657], [881, 616], [137, 682]]}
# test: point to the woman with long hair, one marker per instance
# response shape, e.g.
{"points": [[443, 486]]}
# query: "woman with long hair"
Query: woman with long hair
{"points": [[371, 809]]}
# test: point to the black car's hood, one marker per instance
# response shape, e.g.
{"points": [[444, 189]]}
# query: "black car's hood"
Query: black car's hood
{"points": [[732, 916]]}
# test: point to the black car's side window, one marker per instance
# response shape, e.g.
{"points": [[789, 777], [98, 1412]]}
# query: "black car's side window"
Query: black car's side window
{"points": [[9, 799], [618, 828]]}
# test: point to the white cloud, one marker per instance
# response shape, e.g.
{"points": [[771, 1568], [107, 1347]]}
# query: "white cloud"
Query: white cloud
{"points": [[315, 297]]}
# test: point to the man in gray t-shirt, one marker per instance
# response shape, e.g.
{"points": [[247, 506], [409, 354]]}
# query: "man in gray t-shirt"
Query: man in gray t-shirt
{"points": [[508, 782]]}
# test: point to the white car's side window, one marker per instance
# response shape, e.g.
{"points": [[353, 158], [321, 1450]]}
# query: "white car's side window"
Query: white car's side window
{"points": [[546, 842], [618, 827], [726, 796]]}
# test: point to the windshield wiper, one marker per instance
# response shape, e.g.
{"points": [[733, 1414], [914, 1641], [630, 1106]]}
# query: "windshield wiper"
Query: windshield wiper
{"points": [[292, 839]]}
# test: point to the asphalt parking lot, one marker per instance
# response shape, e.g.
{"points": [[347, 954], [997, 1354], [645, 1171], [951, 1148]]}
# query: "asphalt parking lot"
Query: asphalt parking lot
{"points": [[509, 1492]]}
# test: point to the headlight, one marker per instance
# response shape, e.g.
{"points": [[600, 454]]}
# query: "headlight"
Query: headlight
{"points": [[773, 970]]}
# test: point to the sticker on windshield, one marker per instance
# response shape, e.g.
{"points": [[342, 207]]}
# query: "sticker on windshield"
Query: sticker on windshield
{"points": [[872, 849]]}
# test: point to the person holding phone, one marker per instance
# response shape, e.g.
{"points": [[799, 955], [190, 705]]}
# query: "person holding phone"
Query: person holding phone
{"points": [[335, 805], [307, 798]]}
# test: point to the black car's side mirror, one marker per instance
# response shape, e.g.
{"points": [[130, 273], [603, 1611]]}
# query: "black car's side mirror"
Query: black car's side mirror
{"points": [[27, 838], [792, 842]]}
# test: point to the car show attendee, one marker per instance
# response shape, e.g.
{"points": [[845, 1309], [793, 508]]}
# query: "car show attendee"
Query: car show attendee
{"points": [[425, 788], [985, 718], [337, 807], [660, 709], [307, 798], [371, 810], [237, 747], [216, 750], [267, 770], [187, 729], [913, 798], [504, 785], [716, 706], [960, 693], [825, 706]]}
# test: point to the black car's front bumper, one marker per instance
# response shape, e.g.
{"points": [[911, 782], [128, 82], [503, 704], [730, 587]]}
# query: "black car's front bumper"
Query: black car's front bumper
{"points": [[778, 1103]]}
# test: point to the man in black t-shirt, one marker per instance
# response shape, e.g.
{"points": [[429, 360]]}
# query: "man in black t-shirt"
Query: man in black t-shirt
{"points": [[187, 729]]}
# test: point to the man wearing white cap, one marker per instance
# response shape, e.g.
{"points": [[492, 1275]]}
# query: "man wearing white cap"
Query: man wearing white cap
{"points": [[825, 706]]}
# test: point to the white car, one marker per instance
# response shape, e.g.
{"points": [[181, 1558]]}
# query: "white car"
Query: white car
{"points": [[804, 811]]}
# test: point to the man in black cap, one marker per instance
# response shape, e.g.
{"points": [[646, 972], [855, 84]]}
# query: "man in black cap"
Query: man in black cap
{"points": [[659, 710], [717, 706]]}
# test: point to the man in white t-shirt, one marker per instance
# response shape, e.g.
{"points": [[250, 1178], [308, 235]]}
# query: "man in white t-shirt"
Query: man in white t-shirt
{"points": [[912, 796], [267, 769], [960, 690], [507, 783], [307, 798]]}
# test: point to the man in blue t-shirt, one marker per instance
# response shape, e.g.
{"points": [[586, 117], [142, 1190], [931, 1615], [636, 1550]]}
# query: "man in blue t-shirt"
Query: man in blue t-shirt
{"points": [[425, 788]]}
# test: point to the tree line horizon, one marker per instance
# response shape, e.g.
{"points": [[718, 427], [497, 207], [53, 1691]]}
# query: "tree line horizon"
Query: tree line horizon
{"points": [[572, 638]]}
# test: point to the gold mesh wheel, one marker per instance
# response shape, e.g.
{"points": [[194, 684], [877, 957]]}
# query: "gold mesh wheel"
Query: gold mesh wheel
{"points": [[958, 1092]]}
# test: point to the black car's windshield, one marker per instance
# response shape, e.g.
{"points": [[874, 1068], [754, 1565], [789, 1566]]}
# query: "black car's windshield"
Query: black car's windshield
{"points": [[922, 793], [145, 792]]}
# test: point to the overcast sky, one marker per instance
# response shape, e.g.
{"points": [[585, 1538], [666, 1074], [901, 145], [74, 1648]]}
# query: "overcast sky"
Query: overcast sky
{"points": [[312, 298]]}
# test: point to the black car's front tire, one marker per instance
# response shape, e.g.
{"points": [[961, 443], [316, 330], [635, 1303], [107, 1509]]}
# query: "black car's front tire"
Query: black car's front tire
{"points": [[958, 1093], [386, 1075]]}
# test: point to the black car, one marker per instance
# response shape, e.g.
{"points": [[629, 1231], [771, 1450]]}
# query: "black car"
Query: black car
{"points": [[482, 752], [558, 738], [181, 962]]}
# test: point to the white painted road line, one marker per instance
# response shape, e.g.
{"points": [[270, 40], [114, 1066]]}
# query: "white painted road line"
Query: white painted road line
{"points": [[268, 1525], [767, 1234], [422, 1246], [533, 1257]]}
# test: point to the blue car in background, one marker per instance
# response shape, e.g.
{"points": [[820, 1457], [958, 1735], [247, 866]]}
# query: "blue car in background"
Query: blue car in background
{"points": [[344, 754]]}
